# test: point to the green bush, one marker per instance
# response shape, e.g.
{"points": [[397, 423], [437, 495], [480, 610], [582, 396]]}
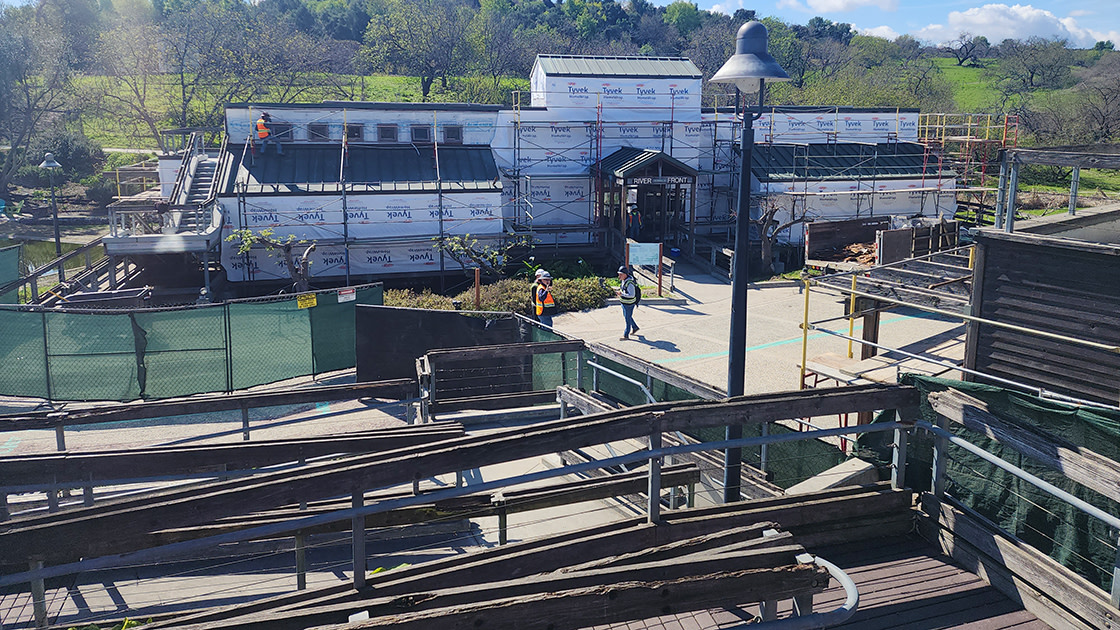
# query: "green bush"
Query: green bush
{"points": [[99, 190], [510, 295], [79, 156]]}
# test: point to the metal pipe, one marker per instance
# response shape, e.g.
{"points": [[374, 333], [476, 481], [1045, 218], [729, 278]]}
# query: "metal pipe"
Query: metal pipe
{"points": [[1075, 181], [824, 619], [998, 324], [852, 315], [289, 526], [1054, 491], [645, 391]]}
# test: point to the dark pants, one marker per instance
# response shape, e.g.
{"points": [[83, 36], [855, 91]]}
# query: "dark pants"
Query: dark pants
{"points": [[628, 315], [545, 319]]}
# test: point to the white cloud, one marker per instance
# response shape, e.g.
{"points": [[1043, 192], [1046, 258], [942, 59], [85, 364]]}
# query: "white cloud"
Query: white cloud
{"points": [[794, 5], [998, 22], [885, 32], [840, 6], [728, 8]]}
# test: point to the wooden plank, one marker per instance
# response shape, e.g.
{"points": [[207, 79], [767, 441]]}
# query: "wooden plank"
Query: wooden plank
{"points": [[458, 355], [1062, 586], [495, 401], [398, 389], [497, 606], [586, 403], [86, 466], [541, 555], [998, 577], [104, 528], [1074, 159], [1079, 464], [471, 506]]}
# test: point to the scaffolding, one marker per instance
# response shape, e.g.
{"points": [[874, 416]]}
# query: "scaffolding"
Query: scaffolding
{"points": [[970, 145]]}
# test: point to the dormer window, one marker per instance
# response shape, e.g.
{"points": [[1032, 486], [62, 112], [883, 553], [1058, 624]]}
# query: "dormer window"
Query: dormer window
{"points": [[386, 133], [354, 132], [453, 134], [421, 134], [318, 132]]}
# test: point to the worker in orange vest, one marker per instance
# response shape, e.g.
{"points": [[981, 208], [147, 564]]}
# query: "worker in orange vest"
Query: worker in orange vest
{"points": [[545, 304], [265, 135]]}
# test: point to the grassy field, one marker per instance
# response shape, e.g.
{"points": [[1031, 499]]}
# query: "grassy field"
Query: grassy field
{"points": [[971, 89], [115, 131]]}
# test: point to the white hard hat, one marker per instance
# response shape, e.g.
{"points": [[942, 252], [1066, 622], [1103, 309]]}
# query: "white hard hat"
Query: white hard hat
{"points": [[544, 276], [539, 273]]}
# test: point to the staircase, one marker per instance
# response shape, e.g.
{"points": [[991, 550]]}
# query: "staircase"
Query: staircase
{"points": [[190, 218]]}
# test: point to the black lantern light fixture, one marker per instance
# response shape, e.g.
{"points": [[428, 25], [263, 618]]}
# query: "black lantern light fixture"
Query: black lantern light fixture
{"points": [[51, 164]]}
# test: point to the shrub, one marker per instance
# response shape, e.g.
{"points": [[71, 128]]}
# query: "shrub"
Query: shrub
{"points": [[80, 157], [99, 190], [510, 295], [410, 299]]}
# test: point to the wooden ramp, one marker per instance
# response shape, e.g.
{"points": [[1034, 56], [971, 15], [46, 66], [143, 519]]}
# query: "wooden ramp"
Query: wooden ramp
{"points": [[904, 584]]}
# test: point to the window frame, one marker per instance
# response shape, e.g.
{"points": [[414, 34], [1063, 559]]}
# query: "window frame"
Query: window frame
{"points": [[458, 129], [382, 128], [427, 133], [314, 134]]}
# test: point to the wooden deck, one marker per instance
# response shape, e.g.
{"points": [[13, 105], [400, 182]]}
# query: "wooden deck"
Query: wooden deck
{"points": [[904, 584]]}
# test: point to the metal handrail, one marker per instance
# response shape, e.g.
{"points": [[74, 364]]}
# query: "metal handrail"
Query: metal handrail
{"points": [[290, 526], [814, 621], [1054, 491], [645, 391]]}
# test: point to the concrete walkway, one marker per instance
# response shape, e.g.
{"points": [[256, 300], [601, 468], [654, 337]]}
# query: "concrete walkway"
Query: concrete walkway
{"points": [[692, 338]]}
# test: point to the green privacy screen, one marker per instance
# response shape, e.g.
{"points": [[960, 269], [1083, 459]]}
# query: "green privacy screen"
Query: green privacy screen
{"points": [[9, 273], [163, 353]]}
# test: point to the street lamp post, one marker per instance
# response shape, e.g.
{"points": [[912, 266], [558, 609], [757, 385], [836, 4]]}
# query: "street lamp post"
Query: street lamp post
{"points": [[50, 164], [748, 70]]}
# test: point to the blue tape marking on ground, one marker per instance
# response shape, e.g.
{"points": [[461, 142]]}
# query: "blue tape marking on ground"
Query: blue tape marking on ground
{"points": [[783, 342], [9, 445], [322, 407]]}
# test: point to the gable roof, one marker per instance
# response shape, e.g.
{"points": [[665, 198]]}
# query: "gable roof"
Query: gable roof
{"points": [[633, 67], [629, 161]]}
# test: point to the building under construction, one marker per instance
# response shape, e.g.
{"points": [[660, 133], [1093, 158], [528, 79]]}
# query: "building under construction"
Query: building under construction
{"points": [[603, 149]]}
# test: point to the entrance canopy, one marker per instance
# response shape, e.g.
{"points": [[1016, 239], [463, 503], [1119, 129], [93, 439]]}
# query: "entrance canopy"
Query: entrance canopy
{"points": [[641, 166]]}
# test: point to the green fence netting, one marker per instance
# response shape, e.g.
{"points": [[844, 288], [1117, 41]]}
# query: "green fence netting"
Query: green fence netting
{"points": [[9, 273], [787, 463], [162, 353], [1069, 536]]}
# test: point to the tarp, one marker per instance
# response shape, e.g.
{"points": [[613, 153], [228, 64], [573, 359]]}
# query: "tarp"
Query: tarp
{"points": [[1078, 541], [162, 353], [9, 272]]}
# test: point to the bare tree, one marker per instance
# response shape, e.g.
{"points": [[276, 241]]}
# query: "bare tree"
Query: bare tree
{"points": [[130, 84], [777, 213], [299, 270], [427, 38], [968, 48], [35, 83]]}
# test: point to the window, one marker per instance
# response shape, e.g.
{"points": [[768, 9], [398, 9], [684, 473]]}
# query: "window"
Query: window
{"points": [[281, 131], [421, 133], [354, 132], [453, 134], [317, 132], [387, 133]]}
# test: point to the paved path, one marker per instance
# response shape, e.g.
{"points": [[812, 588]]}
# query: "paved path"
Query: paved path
{"points": [[692, 338]]}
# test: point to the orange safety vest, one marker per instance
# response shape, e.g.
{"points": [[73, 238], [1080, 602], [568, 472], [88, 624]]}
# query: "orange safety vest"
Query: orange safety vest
{"points": [[262, 129], [547, 303]]}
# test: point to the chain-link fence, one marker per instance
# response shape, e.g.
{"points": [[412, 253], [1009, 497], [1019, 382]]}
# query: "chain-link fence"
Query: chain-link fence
{"points": [[9, 273], [162, 353]]}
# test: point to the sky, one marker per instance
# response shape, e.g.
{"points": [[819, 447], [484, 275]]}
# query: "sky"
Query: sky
{"points": [[1081, 22]]}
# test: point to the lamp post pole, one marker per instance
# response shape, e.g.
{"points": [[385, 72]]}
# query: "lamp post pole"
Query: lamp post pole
{"points": [[748, 70], [51, 164], [740, 277], [54, 217]]}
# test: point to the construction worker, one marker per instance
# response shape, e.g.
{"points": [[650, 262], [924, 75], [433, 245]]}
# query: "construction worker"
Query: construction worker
{"points": [[629, 294], [543, 301], [533, 290], [265, 135]]}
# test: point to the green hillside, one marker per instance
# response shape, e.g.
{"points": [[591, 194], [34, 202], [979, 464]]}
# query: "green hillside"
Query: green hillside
{"points": [[971, 89]]}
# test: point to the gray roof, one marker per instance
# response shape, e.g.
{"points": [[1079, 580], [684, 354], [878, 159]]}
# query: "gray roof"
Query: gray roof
{"points": [[636, 67], [314, 168], [629, 161], [842, 161]]}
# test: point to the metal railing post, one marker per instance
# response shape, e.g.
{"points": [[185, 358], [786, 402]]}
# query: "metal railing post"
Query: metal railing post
{"points": [[60, 437], [245, 423], [654, 512], [1075, 181], [898, 461], [1115, 594], [1001, 195], [1012, 192], [940, 459], [358, 525], [39, 596], [579, 369]]}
